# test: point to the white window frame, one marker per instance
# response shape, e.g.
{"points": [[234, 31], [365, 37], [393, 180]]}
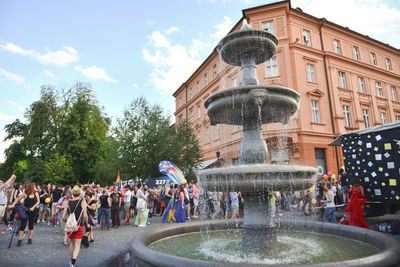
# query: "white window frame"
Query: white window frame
{"points": [[311, 73], [366, 118], [198, 111], [361, 84], [315, 111], [269, 26], [191, 93], [342, 80], [336, 44], [356, 53], [199, 136], [389, 64], [215, 71], [379, 89], [397, 117], [191, 115], [373, 59], [198, 86], [347, 116], [234, 82], [180, 101], [205, 79], [236, 128], [207, 134], [394, 93], [306, 38], [216, 131], [272, 69], [382, 115]]}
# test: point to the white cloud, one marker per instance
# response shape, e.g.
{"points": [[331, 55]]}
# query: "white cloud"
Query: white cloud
{"points": [[135, 85], [49, 73], [95, 73], [369, 17], [21, 108], [223, 28], [12, 76], [173, 63], [62, 57], [171, 30], [11, 103]]}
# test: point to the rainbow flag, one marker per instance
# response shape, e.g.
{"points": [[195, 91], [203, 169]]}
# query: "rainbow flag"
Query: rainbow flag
{"points": [[92, 185], [168, 212], [117, 181]]}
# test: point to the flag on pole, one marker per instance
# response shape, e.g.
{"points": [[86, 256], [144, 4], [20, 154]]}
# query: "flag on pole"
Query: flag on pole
{"points": [[92, 185], [117, 181]]}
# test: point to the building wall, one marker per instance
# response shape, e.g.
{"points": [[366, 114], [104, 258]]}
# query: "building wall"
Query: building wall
{"points": [[302, 134]]}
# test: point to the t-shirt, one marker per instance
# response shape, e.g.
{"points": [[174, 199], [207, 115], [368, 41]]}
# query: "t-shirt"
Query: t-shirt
{"points": [[3, 197], [92, 212], [57, 195], [115, 199], [128, 195], [234, 199], [104, 201]]}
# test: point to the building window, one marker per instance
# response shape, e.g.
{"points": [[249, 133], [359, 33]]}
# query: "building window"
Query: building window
{"points": [[315, 111], [366, 118], [361, 84], [379, 90], [383, 117], [306, 38], [373, 59], [342, 80], [356, 53], [235, 128], [347, 116], [191, 115], [272, 67], [215, 71], [207, 134], [198, 86], [234, 82], [198, 111], [389, 64], [397, 117], [205, 79], [268, 26], [217, 131], [337, 46], [199, 137], [311, 73], [191, 93], [394, 93], [180, 101]]}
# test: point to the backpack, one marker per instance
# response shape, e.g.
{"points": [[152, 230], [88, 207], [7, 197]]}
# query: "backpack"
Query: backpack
{"points": [[72, 225]]}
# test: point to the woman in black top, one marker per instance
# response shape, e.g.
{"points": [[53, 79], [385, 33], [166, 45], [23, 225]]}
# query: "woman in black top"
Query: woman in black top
{"points": [[77, 206], [31, 201], [105, 201]]}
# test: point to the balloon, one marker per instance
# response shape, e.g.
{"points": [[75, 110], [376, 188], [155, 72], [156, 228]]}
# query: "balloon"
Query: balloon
{"points": [[312, 189], [47, 200], [326, 177], [313, 201], [184, 181], [333, 176], [329, 174]]}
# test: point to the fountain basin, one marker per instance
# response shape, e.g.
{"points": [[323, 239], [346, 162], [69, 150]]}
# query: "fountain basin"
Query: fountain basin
{"points": [[257, 178], [387, 248], [259, 45], [238, 105]]}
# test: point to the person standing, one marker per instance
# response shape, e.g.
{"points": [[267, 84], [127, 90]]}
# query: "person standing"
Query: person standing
{"points": [[43, 194], [141, 202], [61, 205], [330, 205], [115, 207], [3, 196], [55, 196], [31, 202], [127, 203], [196, 196], [105, 201], [78, 207], [180, 213], [345, 185], [235, 204]]}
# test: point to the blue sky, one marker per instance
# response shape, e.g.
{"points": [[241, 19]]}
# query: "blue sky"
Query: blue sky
{"points": [[127, 49]]}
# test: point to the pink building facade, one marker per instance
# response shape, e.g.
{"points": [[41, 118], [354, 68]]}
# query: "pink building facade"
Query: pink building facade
{"points": [[346, 81]]}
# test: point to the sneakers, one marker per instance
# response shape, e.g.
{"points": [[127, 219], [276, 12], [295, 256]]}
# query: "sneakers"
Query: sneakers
{"points": [[30, 241], [19, 243], [141, 225]]}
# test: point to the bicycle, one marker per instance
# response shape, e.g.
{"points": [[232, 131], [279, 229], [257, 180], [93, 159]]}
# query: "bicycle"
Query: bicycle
{"points": [[15, 226]]}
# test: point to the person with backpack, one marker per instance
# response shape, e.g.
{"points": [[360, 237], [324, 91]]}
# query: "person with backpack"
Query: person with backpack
{"points": [[77, 210], [31, 201]]}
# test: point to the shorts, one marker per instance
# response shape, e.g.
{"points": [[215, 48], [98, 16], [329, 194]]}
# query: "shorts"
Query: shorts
{"points": [[195, 202], [42, 206], [127, 205], [187, 206], [53, 208], [235, 209], [2, 210], [162, 204], [76, 235]]}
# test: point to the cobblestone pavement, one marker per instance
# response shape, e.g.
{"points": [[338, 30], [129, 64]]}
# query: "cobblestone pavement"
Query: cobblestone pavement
{"points": [[48, 250]]}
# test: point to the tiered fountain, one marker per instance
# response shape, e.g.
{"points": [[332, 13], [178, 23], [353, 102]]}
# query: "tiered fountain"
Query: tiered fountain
{"points": [[252, 105]]}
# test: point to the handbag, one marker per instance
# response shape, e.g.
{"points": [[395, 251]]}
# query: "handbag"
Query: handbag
{"points": [[71, 224]]}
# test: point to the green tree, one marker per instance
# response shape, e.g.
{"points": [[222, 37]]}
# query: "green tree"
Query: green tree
{"points": [[107, 167], [58, 170]]}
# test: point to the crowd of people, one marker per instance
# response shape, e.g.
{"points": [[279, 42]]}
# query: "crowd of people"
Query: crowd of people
{"points": [[108, 207]]}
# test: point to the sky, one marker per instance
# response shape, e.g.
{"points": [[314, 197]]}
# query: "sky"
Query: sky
{"points": [[129, 48]]}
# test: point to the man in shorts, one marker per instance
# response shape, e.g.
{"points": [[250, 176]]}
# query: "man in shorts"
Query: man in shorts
{"points": [[196, 195], [127, 203], [55, 196]]}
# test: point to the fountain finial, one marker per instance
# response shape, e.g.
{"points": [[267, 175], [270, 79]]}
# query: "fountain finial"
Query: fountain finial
{"points": [[245, 25]]}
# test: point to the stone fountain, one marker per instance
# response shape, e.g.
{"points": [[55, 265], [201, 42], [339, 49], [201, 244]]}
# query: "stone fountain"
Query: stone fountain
{"points": [[253, 105]]}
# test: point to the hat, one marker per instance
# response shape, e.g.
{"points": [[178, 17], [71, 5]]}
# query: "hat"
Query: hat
{"points": [[76, 191]]}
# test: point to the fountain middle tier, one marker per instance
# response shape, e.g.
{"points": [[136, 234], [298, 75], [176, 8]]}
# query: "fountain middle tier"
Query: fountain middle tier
{"points": [[257, 178]]}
